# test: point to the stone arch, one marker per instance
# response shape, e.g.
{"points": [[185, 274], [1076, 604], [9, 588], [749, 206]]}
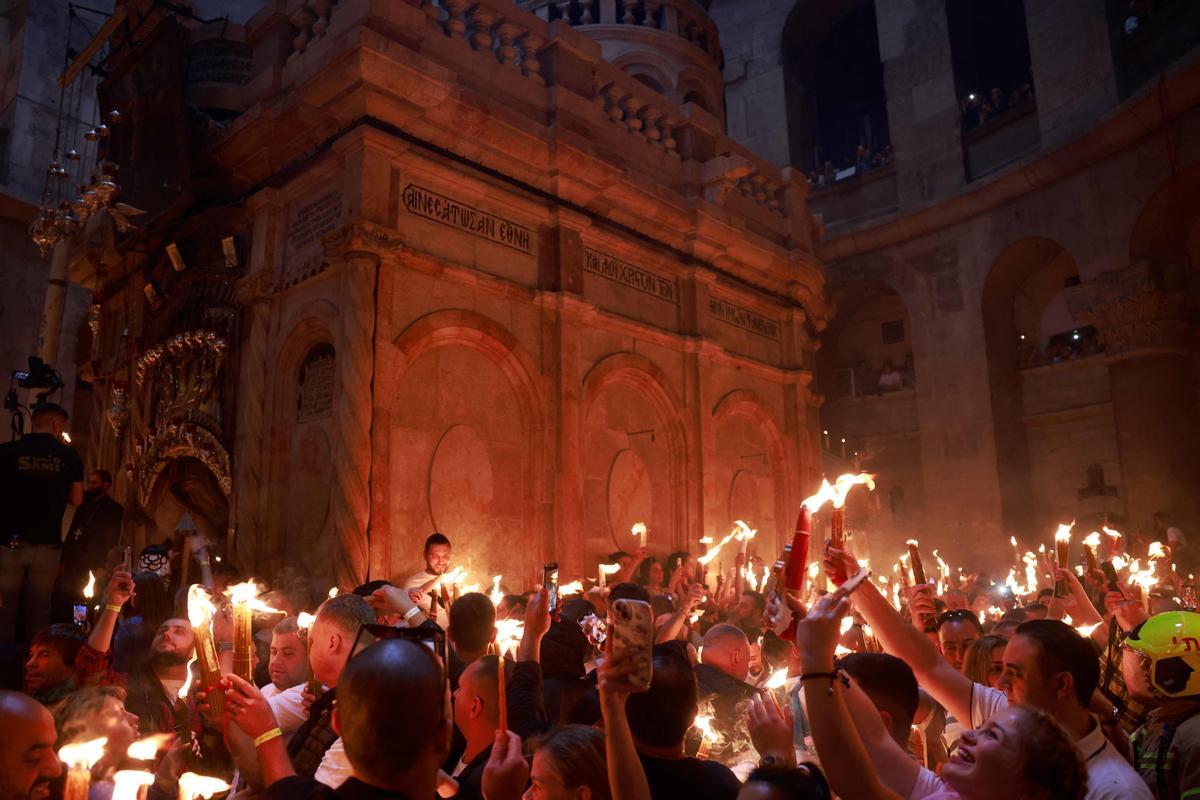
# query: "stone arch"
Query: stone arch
{"points": [[694, 87], [1167, 229], [646, 67], [749, 406], [459, 401], [869, 371], [817, 121], [1028, 276], [632, 432]]}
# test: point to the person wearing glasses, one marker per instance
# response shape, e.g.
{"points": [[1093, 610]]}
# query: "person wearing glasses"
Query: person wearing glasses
{"points": [[957, 631]]}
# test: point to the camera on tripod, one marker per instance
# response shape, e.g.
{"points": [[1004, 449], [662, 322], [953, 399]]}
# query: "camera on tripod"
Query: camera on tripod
{"points": [[40, 375]]}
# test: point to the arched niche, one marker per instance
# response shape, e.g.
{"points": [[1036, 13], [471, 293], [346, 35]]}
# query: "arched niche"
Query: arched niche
{"points": [[184, 486], [833, 76], [463, 440], [633, 457], [753, 472]]}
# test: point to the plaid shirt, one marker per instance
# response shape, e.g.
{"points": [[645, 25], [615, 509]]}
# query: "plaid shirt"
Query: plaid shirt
{"points": [[1130, 713]]}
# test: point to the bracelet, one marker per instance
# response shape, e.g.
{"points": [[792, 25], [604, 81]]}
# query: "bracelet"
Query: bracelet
{"points": [[223, 646], [834, 677], [412, 612], [274, 733], [113, 607]]}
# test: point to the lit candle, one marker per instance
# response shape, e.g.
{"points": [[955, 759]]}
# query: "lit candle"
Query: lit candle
{"points": [[1090, 544], [639, 530], [200, 787], [304, 621], [605, 571], [146, 749], [1062, 554], [244, 599], [200, 613], [131, 784], [705, 726], [80, 758], [914, 561]]}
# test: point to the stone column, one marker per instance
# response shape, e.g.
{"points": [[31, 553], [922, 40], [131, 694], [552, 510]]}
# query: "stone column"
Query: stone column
{"points": [[1142, 323], [254, 293]]}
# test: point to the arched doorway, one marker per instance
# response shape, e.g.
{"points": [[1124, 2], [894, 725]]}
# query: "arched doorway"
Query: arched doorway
{"points": [[185, 486]]}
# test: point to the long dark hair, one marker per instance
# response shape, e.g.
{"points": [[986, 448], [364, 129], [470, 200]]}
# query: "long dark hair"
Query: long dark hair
{"points": [[642, 576], [152, 601], [577, 752]]}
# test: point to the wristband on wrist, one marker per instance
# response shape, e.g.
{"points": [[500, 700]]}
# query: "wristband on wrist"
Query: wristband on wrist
{"points": [[412, 612], [223, 646], [113, 607], [274, 733]]}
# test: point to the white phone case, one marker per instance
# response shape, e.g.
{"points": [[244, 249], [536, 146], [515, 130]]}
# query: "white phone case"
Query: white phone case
{"points": [[631, 626]]}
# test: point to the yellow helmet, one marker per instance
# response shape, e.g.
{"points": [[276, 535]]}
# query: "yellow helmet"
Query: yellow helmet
{"points": [[1171, 643]]}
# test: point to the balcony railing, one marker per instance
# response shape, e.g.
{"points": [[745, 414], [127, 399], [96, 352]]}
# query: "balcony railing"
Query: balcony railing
{"points": [[683, 18]]}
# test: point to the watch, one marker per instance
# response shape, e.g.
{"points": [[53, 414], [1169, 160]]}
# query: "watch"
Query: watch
{"points": [[223, 646], [769, 761]]}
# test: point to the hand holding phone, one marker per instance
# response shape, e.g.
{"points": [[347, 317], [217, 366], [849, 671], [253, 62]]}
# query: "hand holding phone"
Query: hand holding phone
{"points": [[550, 582]]}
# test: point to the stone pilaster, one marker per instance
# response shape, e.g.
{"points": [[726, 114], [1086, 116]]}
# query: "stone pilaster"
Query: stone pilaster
{"points": [[1143, 325], [254, 293], [356, 251]]}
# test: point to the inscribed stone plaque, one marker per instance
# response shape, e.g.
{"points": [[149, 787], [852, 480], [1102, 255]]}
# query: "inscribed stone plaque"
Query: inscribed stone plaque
{"points": [[743, 318], [450, 212], [308, 222], [626, 274]]}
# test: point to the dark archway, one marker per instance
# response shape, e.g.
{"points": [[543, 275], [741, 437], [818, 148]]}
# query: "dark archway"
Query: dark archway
{"points": [[833, 80], [1167, 231]]}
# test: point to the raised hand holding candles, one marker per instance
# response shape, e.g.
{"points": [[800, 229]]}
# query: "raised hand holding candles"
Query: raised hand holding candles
{"points": [[244, 599], [200, 613], [79, 759], [639, 530], [1090, 545], [1062, 555]]}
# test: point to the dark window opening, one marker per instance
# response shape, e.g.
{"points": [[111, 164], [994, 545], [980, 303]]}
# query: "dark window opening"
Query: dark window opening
{"points": [[893, 331]]}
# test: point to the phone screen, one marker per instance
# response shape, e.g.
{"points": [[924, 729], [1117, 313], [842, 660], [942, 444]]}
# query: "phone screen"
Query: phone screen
{"points": [[79, 614], [550, 581]]}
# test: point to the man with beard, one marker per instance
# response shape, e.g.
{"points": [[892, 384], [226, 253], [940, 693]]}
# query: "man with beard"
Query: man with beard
{"points": [[95, 530], [27, 760], [288, 666], [437, 561], [154, 687]]}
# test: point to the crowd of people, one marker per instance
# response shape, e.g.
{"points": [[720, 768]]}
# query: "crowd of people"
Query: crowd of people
{"points": [[1080, 684], [979, 110], [864, 160]]}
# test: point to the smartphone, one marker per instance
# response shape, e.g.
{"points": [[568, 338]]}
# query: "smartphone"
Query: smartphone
{"points": [[631, 629], [127, 564], [550, 581], [851, 584], [1110, 574], [79, 614]]}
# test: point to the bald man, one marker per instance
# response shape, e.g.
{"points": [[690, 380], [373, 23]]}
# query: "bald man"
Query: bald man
{"points": [[721, 674], [391, 715], [27, 759]]}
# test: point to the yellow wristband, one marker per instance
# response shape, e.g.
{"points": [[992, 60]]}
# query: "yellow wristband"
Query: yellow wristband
{"points": [[113, 607], [274, 733]]}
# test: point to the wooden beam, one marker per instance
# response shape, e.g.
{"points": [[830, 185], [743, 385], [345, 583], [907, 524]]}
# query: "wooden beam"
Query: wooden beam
{"points": [[103, 35]]}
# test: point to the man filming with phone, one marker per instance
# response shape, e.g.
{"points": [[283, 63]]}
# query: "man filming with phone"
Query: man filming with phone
{"points": [[39, 475]]}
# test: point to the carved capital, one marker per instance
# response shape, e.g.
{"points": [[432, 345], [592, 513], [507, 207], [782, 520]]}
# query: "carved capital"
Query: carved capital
{"points": [[721, 175], [1134, 311], [256, 287], [362, 238]]}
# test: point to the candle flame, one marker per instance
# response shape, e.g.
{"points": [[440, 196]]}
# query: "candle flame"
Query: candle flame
{"points": [[508, 634], [89, 591], [847, 624], [497, 594], [1156, 550], [305, 620], [1063, 534], [638, 529], [741, 531], [1119, 563], [778, 679], [83, 755], [146, 749], [1115, 534], [187, 682], [1012, 540], [333, 592], [913, 543], [574, 587], [126, 783], [838, 490], [1086, 630], [195, 787], [200, 608], [246, 594], [706, 540], [610, 569], [704, 725], [1092, 540]]}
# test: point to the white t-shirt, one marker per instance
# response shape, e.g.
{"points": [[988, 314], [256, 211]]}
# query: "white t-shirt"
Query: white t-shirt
{"points": [[1110, 777], [288, 706], [335, 768], [416, 582], [172, 689]]}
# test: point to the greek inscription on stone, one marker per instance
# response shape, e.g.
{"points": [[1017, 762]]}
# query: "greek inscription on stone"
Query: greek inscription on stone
{"points": [[315, 219], [317, 378], [743, 318], [439, 208], [618, 271]]}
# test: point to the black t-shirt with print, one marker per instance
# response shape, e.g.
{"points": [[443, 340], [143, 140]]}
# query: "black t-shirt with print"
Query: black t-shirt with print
{"points": [[36, 473]]}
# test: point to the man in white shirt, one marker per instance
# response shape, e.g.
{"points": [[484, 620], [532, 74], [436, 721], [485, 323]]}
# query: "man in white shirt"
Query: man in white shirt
{"points": [[437, 562], [288, 666], [1047, 665]]}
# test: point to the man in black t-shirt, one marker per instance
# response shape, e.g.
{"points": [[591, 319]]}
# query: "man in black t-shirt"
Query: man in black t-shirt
{"points": [[39, 475]]}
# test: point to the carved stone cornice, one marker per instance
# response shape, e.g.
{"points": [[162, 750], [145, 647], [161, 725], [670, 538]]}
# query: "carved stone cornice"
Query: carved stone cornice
{"points": [[258, 287], [1133, 311]]}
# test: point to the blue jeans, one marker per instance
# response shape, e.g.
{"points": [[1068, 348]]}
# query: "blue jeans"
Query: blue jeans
{"points": [[26, 582]]}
